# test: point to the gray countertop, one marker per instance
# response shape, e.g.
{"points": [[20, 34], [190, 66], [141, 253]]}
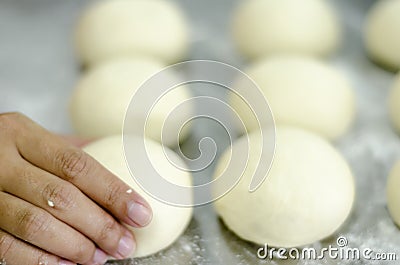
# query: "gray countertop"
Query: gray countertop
{"points": [[38, 70]]}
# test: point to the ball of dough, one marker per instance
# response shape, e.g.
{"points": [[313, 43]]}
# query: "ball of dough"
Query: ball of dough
{"points": [[382, 33], [120, 28], [393, 193], [306, 197], [301, 91], [168, 222], [394, 103], [103, 94], [265, 27]]}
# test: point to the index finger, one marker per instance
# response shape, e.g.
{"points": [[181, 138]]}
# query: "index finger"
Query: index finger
{"points": [[75, 166]]}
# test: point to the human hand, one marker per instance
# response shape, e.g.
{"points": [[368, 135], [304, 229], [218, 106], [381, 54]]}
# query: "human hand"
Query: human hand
{"points": [[77, 141], [58, 206]]}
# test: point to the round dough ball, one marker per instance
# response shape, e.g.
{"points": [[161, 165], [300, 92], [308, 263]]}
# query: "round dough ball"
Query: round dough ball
{"points": [[306, 197], [168, 222], [301, 91], [382, 33], [120, 28], [102, 96], [394, 103], [393, 193], [265, 27]]}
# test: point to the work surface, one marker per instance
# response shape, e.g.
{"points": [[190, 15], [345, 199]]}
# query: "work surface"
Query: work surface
{"points": [[38, 71]]}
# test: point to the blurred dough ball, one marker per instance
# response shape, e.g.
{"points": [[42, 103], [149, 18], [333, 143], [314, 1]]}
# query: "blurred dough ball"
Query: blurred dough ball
{"points": [[393, 193], [265, 27], [103, 94], [118, 28], [306, 197], [382, 33], [394, 103], [168, 222], [301, 91]]}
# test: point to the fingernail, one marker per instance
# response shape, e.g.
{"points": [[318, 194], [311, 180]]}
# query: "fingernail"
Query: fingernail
{"points": [[66, 262], [99, 257], [139, 214], [126, 245]]}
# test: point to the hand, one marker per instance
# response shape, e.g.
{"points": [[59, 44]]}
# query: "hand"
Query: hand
{"points": [[57, 204], [77, 141]]}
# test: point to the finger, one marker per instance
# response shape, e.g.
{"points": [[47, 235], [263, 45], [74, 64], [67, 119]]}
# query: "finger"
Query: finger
{"points": [[39, 228], [68, 204], [76, 141], [75, 166], [13, 251]]}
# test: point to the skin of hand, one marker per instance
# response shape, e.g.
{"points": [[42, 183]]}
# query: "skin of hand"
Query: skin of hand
{"points": [[59, 206], [77, 141]]}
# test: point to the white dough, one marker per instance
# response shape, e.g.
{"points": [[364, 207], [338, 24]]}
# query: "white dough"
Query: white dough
{"points": [[265, 27], [382, 33], [301, 91], [393, 193], [394, 103], [102, 96], [168, 222], [120, 28], [306, 197]]}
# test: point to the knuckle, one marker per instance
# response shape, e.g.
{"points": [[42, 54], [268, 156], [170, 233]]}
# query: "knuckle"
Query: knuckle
{"points": [[73, 163], [11, 116], [109, 226], [32, 224], [113, 193], [44, 258], [26, 172], [83, 252], [61, 195], [9, 164], [6, 243], [10, 121]]}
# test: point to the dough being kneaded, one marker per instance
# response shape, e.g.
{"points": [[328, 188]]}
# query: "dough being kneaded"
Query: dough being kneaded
{"points": [[382, 33], [169, 222]]}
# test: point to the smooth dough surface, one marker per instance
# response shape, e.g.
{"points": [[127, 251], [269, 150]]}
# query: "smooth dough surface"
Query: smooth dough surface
{"points": [[393, 193], [120, 28], [265, 27], [102, 96], [301, 91], [168, 222], [382, 33], [306, 197], [394, 103]]}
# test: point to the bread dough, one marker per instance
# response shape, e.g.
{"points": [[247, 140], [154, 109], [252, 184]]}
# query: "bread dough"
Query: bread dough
{"points": [[301, 91], [120, 28], [394, 103], [382, 33], [306, 197], [103, 94], [265, 27], [393, 193], [168, 222]]}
